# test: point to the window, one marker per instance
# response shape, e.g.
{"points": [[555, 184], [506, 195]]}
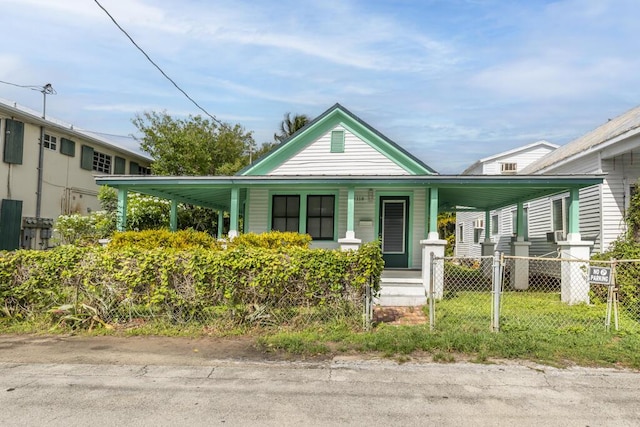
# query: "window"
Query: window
{"points": [[494, 224], [560, 214], [101, 162], [508, 168], [477, 235], [320, 217], [119, 166], [461, 233], [337, 141], [13, 141], [67, 147], [144, 170], [285, 213], [50, 142], [86, 157]]}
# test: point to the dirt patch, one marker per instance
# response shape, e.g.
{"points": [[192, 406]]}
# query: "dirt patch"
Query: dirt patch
{"points": [[134, 350]]}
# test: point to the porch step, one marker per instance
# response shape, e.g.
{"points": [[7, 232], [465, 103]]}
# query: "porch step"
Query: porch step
{"points": [[401, 292]]}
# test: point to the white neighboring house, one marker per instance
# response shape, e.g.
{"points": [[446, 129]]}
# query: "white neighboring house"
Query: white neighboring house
{"points": [[470, 226], [612, 149], [39, 183]]}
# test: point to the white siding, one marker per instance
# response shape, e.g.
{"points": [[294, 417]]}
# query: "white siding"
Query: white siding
{"points": [[522, 159], [468, 248], [358, 158], [258, 208], [622, 172]]}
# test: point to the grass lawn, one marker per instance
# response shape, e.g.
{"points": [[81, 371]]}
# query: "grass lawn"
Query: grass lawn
{"points": [[534, 326]]}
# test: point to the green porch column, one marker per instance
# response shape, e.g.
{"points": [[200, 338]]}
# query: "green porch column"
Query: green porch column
{"points": [[351, 207], [487, 227], [520, 232], [487, 246], [234, 212], [574, 214], [220, 223], [173, 215], [122, 209], [433, 251], [520, 249], [349, 242], [433, 214]]}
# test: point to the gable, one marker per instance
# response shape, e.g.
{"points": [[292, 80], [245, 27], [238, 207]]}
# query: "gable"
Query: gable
{"points": [[339, 152], [338, 143]]}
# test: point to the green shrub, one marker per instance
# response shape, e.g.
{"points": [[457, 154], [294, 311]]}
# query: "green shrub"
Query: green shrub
{"points": [[271, 240], [152, 239], [127, 280]]}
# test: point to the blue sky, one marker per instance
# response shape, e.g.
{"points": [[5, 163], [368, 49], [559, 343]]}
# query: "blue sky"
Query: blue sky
{"points": [[451, 81]]}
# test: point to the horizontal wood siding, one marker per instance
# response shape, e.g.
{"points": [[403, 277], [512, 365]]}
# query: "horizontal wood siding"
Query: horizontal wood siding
{"points": [[258, 209], [419, 226], [358, 158], [622, 172], [539, 226], [468, 248], [523, 159]]}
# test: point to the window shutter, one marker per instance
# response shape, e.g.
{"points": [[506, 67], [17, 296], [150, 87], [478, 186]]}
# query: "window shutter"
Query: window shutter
{"points": [[86, 161], [67, 147], [337, 141], [119, 166], [10, 224], [134, 168], [13, 141]]}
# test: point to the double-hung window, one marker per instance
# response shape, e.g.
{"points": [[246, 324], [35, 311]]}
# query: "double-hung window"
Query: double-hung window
{"points": [[320, 217], [312, 214], [286, 213]]}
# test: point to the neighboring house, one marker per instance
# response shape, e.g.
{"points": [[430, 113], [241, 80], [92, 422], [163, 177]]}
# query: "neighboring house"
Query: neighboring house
{"points": [[344, 183], [612, 149], [471, 227], [39, 183]]}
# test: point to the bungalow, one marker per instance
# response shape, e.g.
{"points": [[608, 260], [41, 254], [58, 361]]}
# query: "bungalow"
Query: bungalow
{"points": [[344, 183]]}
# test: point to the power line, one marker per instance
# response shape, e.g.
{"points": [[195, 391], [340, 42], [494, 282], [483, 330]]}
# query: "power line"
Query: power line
{"points": [[156, 65], [34, 87]]}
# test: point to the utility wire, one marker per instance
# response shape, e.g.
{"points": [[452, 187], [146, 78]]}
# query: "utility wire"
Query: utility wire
{"points": [[156, 65], [34, 87]]}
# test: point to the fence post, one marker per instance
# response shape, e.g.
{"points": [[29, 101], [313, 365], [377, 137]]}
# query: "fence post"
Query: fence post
{"points": [[368, 306], [495, 294], [432, 302]]}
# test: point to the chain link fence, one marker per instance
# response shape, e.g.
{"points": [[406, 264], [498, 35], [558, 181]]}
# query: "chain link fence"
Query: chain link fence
{"points": [[526, 293]]}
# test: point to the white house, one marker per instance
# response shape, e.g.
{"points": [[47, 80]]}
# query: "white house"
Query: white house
{"points": [[48, 169], [471, 227], [612, 149], [344, 183]]}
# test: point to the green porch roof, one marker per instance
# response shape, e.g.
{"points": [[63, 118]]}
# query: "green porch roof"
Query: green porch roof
{"points": [[455, 192]]}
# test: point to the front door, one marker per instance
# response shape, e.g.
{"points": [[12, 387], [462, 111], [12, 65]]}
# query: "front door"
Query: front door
{"points": [[394, 232]]}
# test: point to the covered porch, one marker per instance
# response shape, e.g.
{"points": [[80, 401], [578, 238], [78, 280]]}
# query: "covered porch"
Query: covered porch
{"points": [[401, 211]]}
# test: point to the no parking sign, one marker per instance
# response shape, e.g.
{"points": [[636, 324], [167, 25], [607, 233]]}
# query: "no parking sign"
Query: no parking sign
{"points": [[600, 275]]}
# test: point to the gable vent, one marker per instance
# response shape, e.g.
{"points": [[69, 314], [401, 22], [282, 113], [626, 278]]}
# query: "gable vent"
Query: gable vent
{"points": [[337, 141]]}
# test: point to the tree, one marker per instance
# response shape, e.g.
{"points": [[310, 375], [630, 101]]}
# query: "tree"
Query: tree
{"points": [[289, 126], [193, 146]]}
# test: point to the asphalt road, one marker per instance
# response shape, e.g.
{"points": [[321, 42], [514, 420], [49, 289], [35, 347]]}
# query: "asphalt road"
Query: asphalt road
{"points": [[339, 391]]}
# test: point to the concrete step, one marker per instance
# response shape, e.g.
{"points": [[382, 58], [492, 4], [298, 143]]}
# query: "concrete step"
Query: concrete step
{"points": [[401, 292]]}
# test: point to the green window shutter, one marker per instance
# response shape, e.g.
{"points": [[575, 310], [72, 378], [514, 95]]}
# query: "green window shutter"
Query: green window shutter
{"points": [[337, 141], [67, 147], [86, 158], [134, 168], [119, 166], [10, 224], [13, 141]]}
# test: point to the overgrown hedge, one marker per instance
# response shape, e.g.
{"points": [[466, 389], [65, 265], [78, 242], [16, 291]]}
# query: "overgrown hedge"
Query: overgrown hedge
{"points": [[116, 284]]}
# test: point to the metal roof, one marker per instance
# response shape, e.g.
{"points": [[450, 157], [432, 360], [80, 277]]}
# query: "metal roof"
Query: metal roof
{"points": [[612, 131], [456, 192], [15, 110]]}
